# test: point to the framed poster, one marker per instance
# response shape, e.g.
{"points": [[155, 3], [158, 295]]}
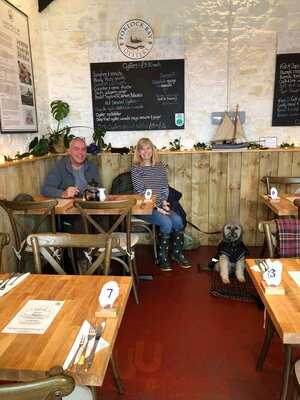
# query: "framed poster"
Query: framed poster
{"points": [[17, 94]]}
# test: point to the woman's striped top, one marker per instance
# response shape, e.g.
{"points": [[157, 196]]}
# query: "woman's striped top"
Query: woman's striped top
{"points": [[151, 177]]}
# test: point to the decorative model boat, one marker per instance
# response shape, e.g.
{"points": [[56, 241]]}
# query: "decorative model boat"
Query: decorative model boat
{"points": [[230, 134]]}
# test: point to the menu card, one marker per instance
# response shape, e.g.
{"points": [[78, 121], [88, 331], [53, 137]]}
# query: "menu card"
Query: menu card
{"points": [[35, 317]]}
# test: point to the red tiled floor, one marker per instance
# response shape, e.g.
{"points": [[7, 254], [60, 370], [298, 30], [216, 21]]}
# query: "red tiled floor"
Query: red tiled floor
{"points": [[181, 343]]}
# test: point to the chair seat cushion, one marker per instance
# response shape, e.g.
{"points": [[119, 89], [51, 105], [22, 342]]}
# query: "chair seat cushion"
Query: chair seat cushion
{"points": [[122, 238]]}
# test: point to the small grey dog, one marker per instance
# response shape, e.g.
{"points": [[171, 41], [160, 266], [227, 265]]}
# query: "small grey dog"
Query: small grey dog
{"points": [[232, 253]]}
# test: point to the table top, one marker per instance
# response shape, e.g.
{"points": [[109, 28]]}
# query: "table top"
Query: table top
{"points": [[283, 206], [28, 357], [284, 310], [142, 206]]}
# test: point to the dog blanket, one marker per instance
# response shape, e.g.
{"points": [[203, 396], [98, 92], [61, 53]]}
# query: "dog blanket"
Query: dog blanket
{"points": [[289, 237]]}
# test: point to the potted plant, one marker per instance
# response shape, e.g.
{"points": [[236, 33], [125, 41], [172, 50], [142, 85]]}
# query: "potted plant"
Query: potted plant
{"points": [[59, 138], [98, 137]]}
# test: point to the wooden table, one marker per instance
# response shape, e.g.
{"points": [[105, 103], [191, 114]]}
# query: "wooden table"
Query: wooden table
{"points": [[283, 206], [283, 312], [26, 357], [142, 207]]}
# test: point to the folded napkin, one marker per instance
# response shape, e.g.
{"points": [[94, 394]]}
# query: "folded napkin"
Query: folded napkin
{"points": [[15, 281], [84, 330]]}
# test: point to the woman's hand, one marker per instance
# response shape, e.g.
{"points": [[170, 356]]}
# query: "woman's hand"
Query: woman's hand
{"points": [[162, 211], [166, 206]]}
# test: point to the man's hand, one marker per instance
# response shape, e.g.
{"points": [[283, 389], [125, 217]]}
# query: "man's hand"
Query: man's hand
{"points": [[70, 192]]}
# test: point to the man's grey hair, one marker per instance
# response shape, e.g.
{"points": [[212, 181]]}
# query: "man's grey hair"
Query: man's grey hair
{"points": [[77, 139]]}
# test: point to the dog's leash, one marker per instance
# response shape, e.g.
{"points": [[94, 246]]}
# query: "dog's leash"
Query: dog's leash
{"points": [[200, 230]]}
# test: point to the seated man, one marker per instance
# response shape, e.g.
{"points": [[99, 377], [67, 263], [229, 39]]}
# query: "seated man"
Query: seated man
{"points": [[70, 176]]}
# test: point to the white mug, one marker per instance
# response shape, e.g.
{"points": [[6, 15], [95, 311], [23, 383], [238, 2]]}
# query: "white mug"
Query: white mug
{"points": [[148, 194]]}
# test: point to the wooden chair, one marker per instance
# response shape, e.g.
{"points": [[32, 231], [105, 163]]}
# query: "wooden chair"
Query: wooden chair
{"points": [[125, 248], [4, 240], [122, 184], [269, 228], [46, 245], [297, 204], [294, 386], [16, 211], [52, 387], [279, 180]]}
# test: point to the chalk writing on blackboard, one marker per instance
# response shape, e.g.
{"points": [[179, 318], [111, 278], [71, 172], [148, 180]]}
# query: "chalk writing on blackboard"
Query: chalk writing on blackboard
{"points": [[138, 95], [286, 104]]}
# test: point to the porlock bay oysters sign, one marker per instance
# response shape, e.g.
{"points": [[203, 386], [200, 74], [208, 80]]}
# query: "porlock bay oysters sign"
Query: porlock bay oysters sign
{"points": [[135, 39]]}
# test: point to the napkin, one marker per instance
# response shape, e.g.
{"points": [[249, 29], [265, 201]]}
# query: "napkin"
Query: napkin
{"points": [[84, 330], [9, 287], [295, 275]]}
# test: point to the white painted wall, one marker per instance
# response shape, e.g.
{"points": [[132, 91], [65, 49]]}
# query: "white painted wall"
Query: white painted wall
{"points": [[75, 33], [10, 144]]}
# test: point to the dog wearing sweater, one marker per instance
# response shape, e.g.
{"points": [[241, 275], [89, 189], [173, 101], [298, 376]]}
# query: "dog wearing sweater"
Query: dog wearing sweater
{"points": [[232, 253]]}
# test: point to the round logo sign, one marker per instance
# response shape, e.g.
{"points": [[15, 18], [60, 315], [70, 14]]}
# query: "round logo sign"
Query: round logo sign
{"points": [[135, 39]]}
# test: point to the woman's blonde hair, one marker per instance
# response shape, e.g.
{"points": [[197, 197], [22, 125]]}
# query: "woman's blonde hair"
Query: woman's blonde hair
{"points": [[137, 160]]}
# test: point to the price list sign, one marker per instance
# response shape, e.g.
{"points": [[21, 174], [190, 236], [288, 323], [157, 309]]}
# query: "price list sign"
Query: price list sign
{"points": [[286, 104], [138, 95]]}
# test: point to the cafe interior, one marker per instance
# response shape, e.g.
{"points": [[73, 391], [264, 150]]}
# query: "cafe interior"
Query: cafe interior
{"points": [[149, 199]]}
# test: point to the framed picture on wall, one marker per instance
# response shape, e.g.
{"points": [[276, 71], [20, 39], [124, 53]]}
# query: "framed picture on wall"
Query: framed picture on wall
{"points": [[17, 93]]}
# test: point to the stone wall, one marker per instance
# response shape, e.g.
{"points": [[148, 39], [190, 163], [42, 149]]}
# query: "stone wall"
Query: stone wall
{"points": [[10, 144], [205, 33]]}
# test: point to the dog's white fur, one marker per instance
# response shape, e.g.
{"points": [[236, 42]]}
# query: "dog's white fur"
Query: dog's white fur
{"points": [[224, 266]]}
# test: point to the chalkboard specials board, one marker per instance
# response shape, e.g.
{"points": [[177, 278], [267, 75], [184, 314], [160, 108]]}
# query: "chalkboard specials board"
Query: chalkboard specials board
{"points": [[286, 104], [138, 95]]}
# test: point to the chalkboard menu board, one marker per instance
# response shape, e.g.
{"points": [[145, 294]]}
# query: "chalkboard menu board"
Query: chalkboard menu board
{"points": [[138, 95], [286, 105]]}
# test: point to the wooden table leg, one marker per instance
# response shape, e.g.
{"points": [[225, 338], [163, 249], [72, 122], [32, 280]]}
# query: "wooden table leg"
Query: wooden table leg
{"points": [[270, 330], [286, 370], [116, 375]]}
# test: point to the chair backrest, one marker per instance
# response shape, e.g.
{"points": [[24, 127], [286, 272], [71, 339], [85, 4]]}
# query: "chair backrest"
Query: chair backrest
{"points": [[4, 240], [47, 245], [121, 208], [53, 387], [122, 184], [269, 228], [39, 212], [297, 204], [280, 181]]}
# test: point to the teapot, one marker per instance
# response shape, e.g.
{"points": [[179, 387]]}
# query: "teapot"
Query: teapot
{"points": [[91, 193]]}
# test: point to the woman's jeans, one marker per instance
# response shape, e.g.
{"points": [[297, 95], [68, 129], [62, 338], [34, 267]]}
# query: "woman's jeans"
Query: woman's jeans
{"points": [[166, 223]]}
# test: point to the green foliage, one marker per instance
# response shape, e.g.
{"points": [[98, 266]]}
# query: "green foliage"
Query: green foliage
{"points": [[255, 145], [286, 145], [98, 137], [59, 109], [201, 146], [39, 147], [176, 145]]}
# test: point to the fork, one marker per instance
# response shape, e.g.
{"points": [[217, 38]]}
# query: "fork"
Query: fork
{"points": [[83, 357], [90, 359]]}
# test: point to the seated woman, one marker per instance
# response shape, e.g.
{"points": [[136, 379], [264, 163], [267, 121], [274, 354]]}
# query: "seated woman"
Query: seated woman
{"points": [[149, 173]]}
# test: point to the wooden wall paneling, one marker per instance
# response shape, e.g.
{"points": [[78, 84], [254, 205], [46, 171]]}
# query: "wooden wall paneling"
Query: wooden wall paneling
{"points": [[268, 166], [111, 169], [285, 162], [125, 162], [249, 196], [233, 187], [200, 185], [169, 160], [295, 169], [183, 183], [217, 194]]}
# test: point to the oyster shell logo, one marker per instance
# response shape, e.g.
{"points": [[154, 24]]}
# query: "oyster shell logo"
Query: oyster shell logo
{"points": [[135, 39]]}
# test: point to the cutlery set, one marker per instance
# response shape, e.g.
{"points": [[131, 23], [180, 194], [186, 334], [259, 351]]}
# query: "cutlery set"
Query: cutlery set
{"points": [[13, 277], [82, 357]]}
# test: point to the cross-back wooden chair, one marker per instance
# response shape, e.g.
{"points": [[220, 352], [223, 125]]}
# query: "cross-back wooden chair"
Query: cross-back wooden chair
{"points": [[52, 387], [4, 240], [297, 204], [16, 210], [269, 228], [280, 181], [127, 240], [46, 244]]}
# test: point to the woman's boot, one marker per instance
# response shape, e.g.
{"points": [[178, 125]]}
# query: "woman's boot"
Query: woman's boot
{"points": [[163, 252], [177, 241]]}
